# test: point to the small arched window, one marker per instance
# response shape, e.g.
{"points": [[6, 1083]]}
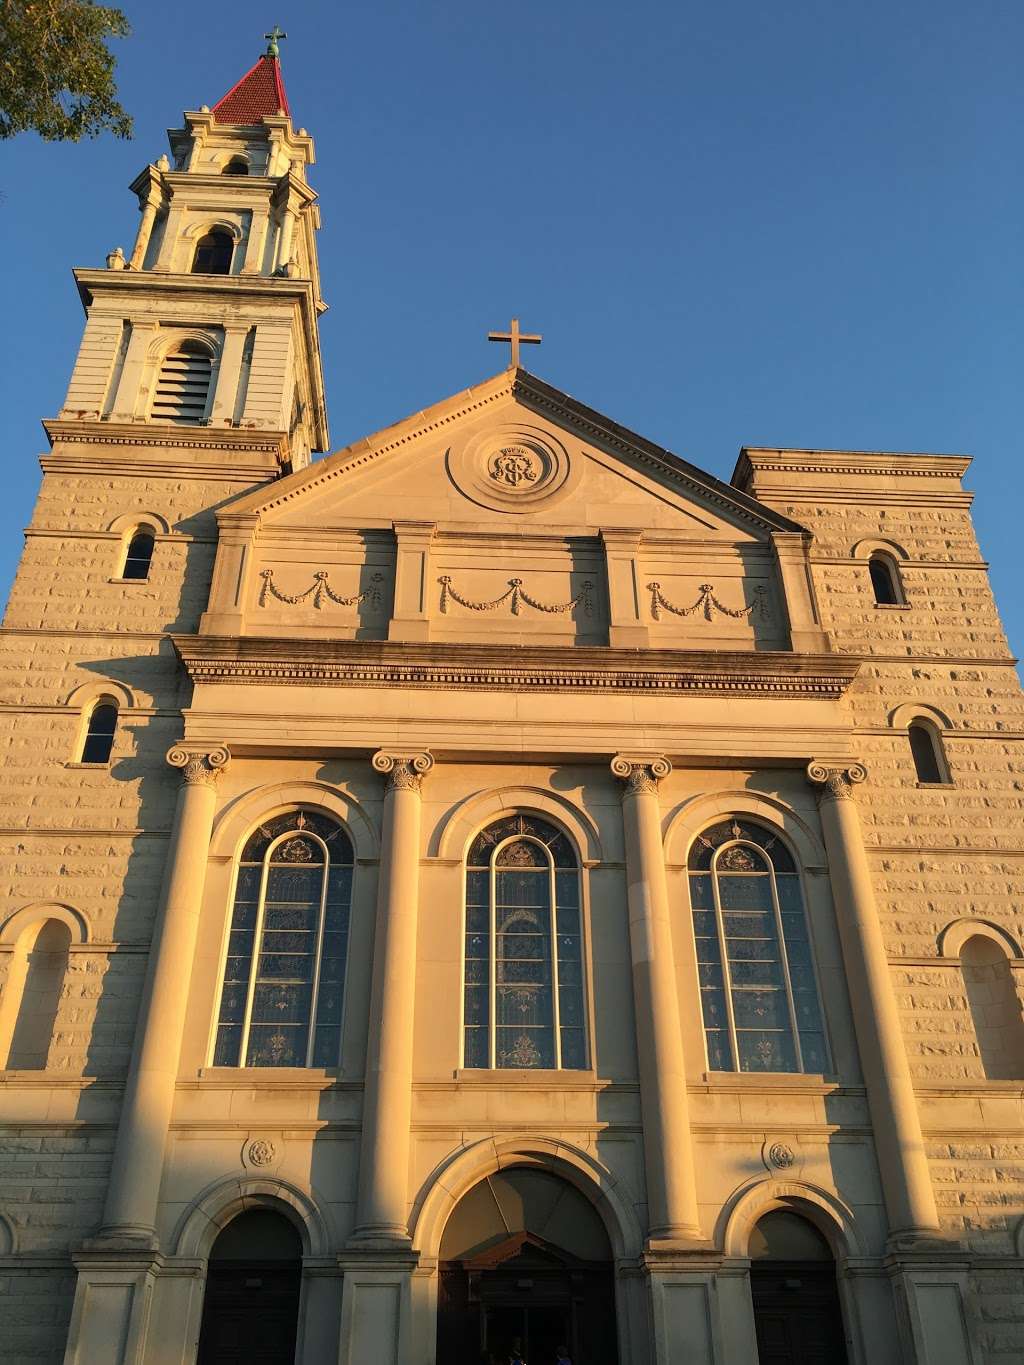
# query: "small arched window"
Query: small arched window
{"points": [[757, 982], [236, 166], [886, 583], [523, 992], [183, 385], [926, 750], [284, 977], [99, 733], [139, 555], [213, 253]]}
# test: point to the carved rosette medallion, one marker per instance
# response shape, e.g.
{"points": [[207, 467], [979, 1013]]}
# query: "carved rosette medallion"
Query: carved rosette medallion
{"points": [[778, 1156], [640, 774], [835, 784], [259, 1152], [514, 467], [404, 772], [199, 767]]}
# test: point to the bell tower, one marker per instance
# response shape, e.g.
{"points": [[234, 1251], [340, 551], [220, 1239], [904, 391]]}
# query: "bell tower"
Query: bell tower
{"points": [[212, 320]]}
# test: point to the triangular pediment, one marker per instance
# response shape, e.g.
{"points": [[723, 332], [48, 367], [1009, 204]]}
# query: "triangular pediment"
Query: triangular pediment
{"points": [[512, 452], [508, 514]]}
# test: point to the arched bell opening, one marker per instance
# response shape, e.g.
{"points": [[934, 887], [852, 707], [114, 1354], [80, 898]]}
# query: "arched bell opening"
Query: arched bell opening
{"points": [[526, 1265], [253, 1282], [797, 1313]]}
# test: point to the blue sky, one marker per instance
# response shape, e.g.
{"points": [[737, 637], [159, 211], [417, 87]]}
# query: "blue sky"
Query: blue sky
{"points": [[796, 224]]}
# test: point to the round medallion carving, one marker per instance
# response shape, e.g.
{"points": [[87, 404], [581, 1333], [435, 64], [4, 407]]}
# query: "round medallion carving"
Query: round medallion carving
{"points": [[260, 1152], [780, 1155], [514, 468]]}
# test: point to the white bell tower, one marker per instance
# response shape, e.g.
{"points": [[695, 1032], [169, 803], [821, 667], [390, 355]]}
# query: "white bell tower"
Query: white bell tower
{"points": [[212, 321]]}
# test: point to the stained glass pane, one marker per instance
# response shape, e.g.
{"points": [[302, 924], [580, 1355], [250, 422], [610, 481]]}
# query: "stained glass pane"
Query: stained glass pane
{"points": [[719, 1050], [229, 1040], [477, 1040], [761, 1050], [282, 1004], [574, 1049], [745, 893], [525, 1047], [523, 853]]}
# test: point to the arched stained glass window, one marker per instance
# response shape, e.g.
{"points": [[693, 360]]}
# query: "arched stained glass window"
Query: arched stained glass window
{"points": [[758, 989], [284, 977], [524, 990]]}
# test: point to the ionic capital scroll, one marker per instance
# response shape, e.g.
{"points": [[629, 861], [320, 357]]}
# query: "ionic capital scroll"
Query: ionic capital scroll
{"points": [[405, 772], [640, 772], [200, 765], [835, 784]]}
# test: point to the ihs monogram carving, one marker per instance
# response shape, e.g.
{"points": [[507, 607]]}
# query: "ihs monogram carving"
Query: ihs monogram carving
{"points": [[640, 774], [405, 772], [199, 767], [261, 1152], [835, 784], [514, 465]]}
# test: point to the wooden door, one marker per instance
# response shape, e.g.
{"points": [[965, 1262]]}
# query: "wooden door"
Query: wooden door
{"points": [[250, 1315], [797, 1314]]}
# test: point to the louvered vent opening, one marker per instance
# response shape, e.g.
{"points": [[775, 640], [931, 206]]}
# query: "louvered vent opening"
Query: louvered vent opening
{"points": [[183, 386]]}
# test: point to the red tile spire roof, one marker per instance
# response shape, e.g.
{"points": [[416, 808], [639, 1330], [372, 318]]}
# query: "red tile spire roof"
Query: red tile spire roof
{"points": [[259, 94]]}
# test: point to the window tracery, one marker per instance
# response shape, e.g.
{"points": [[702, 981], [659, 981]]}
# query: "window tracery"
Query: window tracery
{"points": [[524, 999], [284, 975], [759, 993]]}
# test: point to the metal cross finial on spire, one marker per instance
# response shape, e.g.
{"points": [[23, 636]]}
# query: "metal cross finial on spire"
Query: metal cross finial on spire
{"points": [[273, 38], [516, 338]]}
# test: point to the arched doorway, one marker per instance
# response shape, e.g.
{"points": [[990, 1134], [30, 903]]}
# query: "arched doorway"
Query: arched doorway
{"points": [[796, 1300], [525, 1258], [251, 1306]]}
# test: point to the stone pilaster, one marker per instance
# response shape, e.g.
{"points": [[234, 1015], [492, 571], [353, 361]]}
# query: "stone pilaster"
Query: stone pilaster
{"points": [[668, 1145]]}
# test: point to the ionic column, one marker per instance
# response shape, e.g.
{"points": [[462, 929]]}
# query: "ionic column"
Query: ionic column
{"points": [[381, 1214], [906, 1181], [668, 1146], [130, 1213]]}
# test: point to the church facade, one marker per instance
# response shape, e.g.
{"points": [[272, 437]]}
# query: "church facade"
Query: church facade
{"points": [[496, 892]]}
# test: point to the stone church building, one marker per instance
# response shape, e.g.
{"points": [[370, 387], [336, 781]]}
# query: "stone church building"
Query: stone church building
{"points": [[496, 892]]}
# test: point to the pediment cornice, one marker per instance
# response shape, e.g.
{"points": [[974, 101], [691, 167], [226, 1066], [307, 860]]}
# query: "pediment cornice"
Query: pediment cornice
{"points": [[588, 425]]}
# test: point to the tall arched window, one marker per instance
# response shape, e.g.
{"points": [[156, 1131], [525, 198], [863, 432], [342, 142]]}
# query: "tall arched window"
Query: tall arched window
{"points": [[284, 977], [926, 751], [139, 555], [886, 583], [40, 966], [524, 996], [757, 981], [214, 253], [183, 385], [98, 740]]}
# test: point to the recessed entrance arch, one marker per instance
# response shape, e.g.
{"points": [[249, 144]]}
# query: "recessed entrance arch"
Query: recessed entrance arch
{"points": [[253, 1282], [797, 1314], [525, 1264]]}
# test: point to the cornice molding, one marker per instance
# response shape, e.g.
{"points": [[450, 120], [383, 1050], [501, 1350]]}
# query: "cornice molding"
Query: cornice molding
{"points": [[304, 663], [164, 435]]}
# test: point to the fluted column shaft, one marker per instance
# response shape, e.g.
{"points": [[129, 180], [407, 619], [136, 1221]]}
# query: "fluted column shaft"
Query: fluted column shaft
{"points": [[137, 1167], [668, 1144], [906, 1180], [387, 1097]]}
